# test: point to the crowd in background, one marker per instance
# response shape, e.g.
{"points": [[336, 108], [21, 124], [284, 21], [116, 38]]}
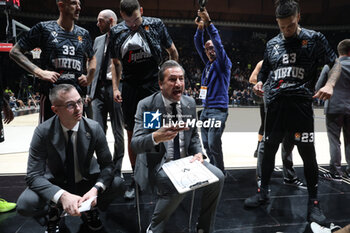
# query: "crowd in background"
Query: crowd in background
{"points": [[245, 48], [30, 100]]}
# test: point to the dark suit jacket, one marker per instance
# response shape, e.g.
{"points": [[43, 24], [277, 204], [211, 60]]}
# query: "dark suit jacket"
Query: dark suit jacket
{"points": [[150, 158], [99, 46], [45, 172]]}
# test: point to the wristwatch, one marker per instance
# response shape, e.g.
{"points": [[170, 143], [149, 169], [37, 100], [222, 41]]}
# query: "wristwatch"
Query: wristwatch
{"points": [[99, 188]]}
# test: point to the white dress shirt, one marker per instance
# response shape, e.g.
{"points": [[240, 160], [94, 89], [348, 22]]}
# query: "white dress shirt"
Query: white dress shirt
{"points": [[78, 176], [108, 72]]}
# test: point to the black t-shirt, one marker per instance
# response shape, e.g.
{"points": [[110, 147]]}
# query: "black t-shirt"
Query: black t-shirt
{"points": [[138, 63], [140, 51], [62, 51], [290, 65]]}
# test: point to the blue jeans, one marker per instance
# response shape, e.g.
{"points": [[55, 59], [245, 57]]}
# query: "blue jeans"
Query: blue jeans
{"points": [[211, 136]]}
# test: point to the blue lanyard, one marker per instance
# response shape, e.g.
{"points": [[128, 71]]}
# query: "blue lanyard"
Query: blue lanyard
{"points": [[207, 71]]}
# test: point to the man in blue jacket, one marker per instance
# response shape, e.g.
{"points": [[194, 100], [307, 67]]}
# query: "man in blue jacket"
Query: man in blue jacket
{"points": [[214, 86]]}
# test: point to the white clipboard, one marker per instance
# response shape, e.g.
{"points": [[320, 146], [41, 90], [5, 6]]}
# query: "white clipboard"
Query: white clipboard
{"points": [[187, 176], [85, 206]]}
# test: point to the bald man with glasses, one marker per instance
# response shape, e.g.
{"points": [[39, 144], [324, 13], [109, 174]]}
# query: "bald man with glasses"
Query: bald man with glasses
{"points": [[62, 171]]}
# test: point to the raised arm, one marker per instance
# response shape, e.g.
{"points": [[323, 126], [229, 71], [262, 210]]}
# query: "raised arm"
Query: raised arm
{"points": [[199, 40], [213, 33]]}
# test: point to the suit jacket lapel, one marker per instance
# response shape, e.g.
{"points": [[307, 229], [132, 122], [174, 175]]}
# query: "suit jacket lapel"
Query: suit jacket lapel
{"points": [[159, 105], [58, 140], [101, 50], [185, 107], [83, 142]]}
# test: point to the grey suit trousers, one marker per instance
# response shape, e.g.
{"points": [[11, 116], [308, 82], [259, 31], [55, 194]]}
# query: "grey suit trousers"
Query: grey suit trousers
{"points": [[103, 104], [30, 204], [334, 123], [169, 199]]}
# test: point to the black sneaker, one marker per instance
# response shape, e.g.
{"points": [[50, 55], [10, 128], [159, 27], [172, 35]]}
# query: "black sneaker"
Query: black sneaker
{"points": [[260, 198], [54, 220], [295, 183], [332, 177], [52, 227], [315, 213], [347, 174], [92, 220]]}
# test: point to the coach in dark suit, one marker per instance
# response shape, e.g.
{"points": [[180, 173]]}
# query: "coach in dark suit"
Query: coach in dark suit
{"points": [[156, 147], [101, 91], [62, 171]]}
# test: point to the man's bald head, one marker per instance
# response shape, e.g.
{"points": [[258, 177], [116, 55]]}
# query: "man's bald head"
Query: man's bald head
{"points": [[106, 19], [107, 13]]}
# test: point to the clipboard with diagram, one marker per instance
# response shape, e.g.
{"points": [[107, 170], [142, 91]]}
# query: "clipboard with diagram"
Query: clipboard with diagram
{"points": [[187, 176]]}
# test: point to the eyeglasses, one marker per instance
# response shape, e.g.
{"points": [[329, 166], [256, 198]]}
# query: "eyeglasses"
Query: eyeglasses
{"points": [[72, 104], [209, 48]]}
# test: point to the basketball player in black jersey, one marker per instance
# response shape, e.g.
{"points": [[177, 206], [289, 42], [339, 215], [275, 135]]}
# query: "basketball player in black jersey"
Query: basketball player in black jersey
{"points": [[290, 62], [65, 49], [136, 46]]}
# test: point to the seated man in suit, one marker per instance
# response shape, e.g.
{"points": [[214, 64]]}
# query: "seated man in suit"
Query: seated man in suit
{"points": [[156, 147], [62, 171]]}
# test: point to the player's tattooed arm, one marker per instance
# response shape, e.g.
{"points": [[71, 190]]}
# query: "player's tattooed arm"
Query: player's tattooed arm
{"points": [[17, 54], [327, 91], [116, 70], [334, 73]]}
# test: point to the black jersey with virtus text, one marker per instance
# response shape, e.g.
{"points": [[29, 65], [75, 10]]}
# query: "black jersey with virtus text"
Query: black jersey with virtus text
{"points": [[62, 51], [290, 65], [140, 51]]}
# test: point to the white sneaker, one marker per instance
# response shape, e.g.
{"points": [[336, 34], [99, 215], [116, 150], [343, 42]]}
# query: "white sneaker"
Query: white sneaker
{"points": [[316, 228]]}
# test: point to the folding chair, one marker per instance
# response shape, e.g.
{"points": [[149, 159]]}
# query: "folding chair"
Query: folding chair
{"points": [[137, 197]]}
